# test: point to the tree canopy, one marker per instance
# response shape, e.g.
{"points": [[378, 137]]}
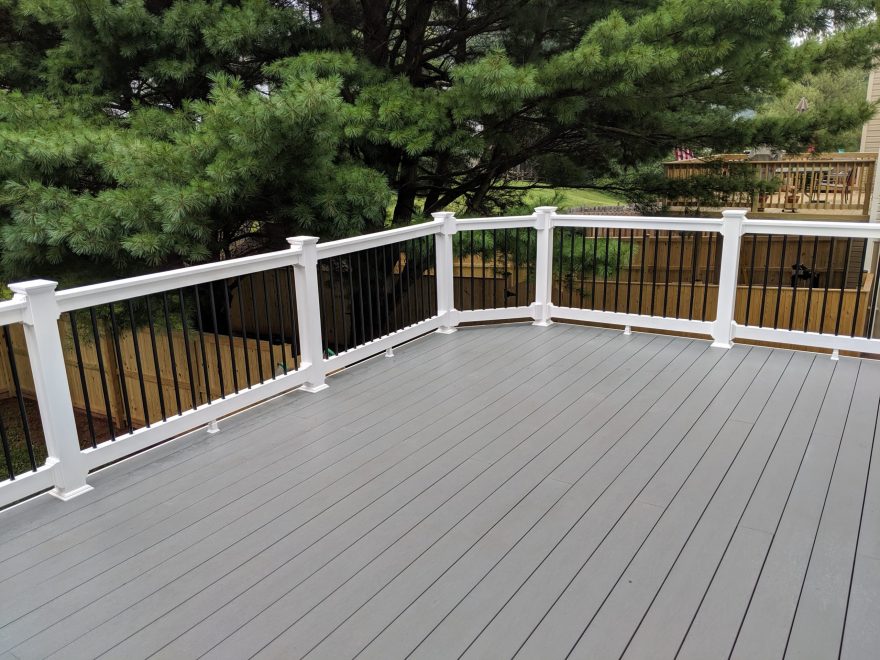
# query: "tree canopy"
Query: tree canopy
{"points": [[143, 134]]}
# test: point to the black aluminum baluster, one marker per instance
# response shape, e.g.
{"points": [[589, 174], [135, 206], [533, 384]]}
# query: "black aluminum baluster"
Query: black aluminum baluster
{"points": [[169, 336], [829, 272], [201, 330], [370, 298], [583, 284], [605, 271], [872, 304], [159, 387], [642, 273], [408, 283], [843, 286], [516, 266], [281, 318], [494, 269], [227, 303], [852, 332], [695, 243], [102, 372], [666, 281], [294, 325], [706, 277], [352, 306], [189, 363], [460, 237], [114, 330], [137, 361], [812, 275], [654, 270], [7, 454], [74, 332], [795, 278], [766, 279], [779, 284], [530, 292], [506, 235], [272, 363], [239, 287], [22, 410], [322, 310], [751, 279], [619, 240], [629, 269], [560, 234], [360, 291], [399, 258], [681, 242], [331, 263], [473, 289], [595, 269]]}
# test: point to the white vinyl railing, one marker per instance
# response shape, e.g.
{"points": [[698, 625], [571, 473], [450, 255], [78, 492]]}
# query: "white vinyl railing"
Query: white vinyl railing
{"points": [[38, 306]]}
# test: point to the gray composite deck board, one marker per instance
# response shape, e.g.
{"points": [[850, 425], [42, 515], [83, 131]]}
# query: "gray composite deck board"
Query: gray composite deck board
{"points": [[502, 491]]}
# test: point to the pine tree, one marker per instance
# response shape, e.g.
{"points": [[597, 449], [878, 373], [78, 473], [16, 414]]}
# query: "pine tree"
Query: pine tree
{"points": [[143, 134]]}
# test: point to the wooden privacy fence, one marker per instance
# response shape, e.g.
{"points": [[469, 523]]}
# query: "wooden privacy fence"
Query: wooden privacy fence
{"points": [[803, 309], [254, 360]]}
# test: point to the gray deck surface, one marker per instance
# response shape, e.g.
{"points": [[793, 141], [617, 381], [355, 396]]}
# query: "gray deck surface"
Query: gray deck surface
{"points": [[498, 492]]}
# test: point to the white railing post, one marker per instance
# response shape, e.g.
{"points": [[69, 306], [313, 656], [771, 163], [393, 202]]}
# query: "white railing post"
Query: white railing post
{"points": [[543, 265], [443, 270], [53, 392], [731, 232], [308, 309]]}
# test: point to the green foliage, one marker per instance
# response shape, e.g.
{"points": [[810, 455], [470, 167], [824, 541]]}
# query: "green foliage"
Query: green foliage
{"points": [[575, 256], [138, 135], [835, 99]]}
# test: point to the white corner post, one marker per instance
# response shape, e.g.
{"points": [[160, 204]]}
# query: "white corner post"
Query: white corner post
{"points": [[443, 269], [53, 392], [543, 265], [731, 232], [308, 310]]}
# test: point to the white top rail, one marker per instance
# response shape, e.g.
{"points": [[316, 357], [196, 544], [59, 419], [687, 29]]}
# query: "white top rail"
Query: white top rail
{"points": [[509, 222], [811, 228], [638, 222], [367, 241], [12, 311], [143, 285]]}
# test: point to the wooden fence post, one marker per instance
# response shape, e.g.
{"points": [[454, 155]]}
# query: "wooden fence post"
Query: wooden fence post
{"points": [[543, 265], [308, 308], [443, 269], [53, 392], [731, 231]]}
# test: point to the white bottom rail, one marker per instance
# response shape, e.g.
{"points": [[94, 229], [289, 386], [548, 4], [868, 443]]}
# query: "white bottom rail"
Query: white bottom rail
{"points": [[807, 339], [632, 320], [27, 484]]}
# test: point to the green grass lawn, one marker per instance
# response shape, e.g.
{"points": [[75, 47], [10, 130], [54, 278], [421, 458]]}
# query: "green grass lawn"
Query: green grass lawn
{"points": [[574, 197]]}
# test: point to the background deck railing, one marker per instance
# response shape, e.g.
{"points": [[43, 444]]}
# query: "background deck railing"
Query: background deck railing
{"points": [[94, 374], [837, 183]]}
